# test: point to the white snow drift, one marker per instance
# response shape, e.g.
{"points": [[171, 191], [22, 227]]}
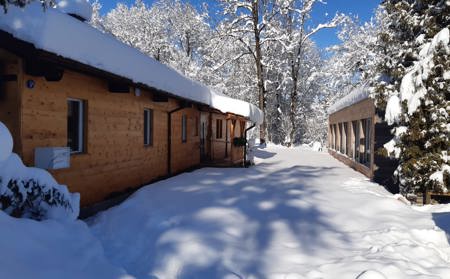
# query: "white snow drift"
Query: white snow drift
{"points": [[12, 169], [59, 33], [52, 250], [297, 214]]}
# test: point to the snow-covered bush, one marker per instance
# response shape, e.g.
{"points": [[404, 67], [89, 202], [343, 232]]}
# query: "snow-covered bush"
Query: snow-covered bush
{"points": [[31, 192]]}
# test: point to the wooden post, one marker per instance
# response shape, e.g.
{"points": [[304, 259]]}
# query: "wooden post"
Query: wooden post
{"points": [[426, 197]]}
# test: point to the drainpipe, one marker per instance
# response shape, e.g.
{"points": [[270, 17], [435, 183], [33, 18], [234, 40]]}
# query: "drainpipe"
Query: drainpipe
{"points": [[169, 138], [245, 146]]}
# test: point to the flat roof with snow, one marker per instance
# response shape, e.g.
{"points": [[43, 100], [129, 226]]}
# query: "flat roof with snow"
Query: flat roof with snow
{"points": [[357, 95]]}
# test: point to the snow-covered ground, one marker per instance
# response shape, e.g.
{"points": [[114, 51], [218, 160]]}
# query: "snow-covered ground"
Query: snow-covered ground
{"points": [[297, 214]]}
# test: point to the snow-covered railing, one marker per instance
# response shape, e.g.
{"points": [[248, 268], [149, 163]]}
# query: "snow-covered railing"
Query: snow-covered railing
{"points": [[56, 32], [356, 96]]}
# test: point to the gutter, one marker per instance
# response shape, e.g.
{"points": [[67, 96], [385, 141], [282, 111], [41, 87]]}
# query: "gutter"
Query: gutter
{"points": [[245, 146]]}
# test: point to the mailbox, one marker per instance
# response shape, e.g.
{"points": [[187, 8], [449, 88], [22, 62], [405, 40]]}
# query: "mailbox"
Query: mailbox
{"points": [[52, 158]]}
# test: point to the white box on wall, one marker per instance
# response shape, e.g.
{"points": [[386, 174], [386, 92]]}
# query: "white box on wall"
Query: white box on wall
{"points": [[52, 158]]}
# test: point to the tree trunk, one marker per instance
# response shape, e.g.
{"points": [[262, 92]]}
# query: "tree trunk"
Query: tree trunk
{"points": [[259, 69], [295, 73], [293, 111]]}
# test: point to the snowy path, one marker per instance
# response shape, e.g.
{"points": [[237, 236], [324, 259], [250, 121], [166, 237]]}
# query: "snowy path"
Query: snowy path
{"points": [[297, 214]]}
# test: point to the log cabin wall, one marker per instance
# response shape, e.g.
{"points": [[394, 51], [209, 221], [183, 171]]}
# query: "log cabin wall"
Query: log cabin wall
{"points": [[346, 118], [185, 154], [10, 109], [115, 157]]}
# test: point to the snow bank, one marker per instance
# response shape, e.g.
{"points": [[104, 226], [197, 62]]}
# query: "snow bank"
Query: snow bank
{"points": [[81, 8], [296, 214], [56, 32], [31, 192], [6, 143], [52, 250], [356, 96]]}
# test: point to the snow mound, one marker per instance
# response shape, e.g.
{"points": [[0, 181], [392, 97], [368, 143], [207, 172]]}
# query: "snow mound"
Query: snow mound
{"points": [[316, 146], [80, 8], [52, 250], [32, 192], [371, 274], [357, 95], [6, 143]]}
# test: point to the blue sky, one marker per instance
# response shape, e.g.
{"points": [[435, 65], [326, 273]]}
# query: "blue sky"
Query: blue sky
{"points": [[361, 8]]}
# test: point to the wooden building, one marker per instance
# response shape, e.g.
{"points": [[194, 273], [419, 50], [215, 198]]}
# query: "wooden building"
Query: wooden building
{"points": [[121, 134], [356, 134]]}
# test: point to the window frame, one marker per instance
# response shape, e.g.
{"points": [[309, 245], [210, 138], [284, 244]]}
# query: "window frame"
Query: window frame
{"points": [[148, 127], [368, 141], [184, 128], [81, 126], [219, 128]]}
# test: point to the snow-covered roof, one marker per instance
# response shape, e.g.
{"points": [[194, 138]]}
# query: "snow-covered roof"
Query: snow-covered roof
{"points": [[355, 96], [56, 32], [229, 105], [80, 8]]}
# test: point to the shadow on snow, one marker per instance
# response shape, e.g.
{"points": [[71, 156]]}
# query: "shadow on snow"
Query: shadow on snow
{"points": [[219, 222]]}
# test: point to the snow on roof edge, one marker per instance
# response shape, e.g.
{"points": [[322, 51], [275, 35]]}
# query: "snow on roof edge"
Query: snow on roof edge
{"points": [[227, 104], [59, 33], [355, 96]]}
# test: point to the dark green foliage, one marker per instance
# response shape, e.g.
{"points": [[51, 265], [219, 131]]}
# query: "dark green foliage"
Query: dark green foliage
{"points": [[29, 199], [23, 3], [239, 142], [424, 146]]}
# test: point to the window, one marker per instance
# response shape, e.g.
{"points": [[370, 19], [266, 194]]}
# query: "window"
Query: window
{"points": [[330, 137], [347, 139], [355, 144], [335, 144], [367, 143], [219, 128], [362, 141], [341, 138], [184, 128], [148, 127], [75, 125]]}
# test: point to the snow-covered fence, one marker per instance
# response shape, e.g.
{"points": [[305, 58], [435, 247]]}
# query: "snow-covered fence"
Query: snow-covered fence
{"points": [[31, 192]]}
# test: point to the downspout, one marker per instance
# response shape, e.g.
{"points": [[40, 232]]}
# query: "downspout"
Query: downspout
{"points": [[169, 138], [245, 146]]}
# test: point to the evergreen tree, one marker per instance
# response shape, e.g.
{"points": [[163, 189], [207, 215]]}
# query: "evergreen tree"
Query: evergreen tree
{"points": [[413, 87]]}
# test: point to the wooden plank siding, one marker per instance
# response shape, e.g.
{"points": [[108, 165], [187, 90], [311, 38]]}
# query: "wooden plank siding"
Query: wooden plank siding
{"points": [[185, 154], [115, 158]]}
